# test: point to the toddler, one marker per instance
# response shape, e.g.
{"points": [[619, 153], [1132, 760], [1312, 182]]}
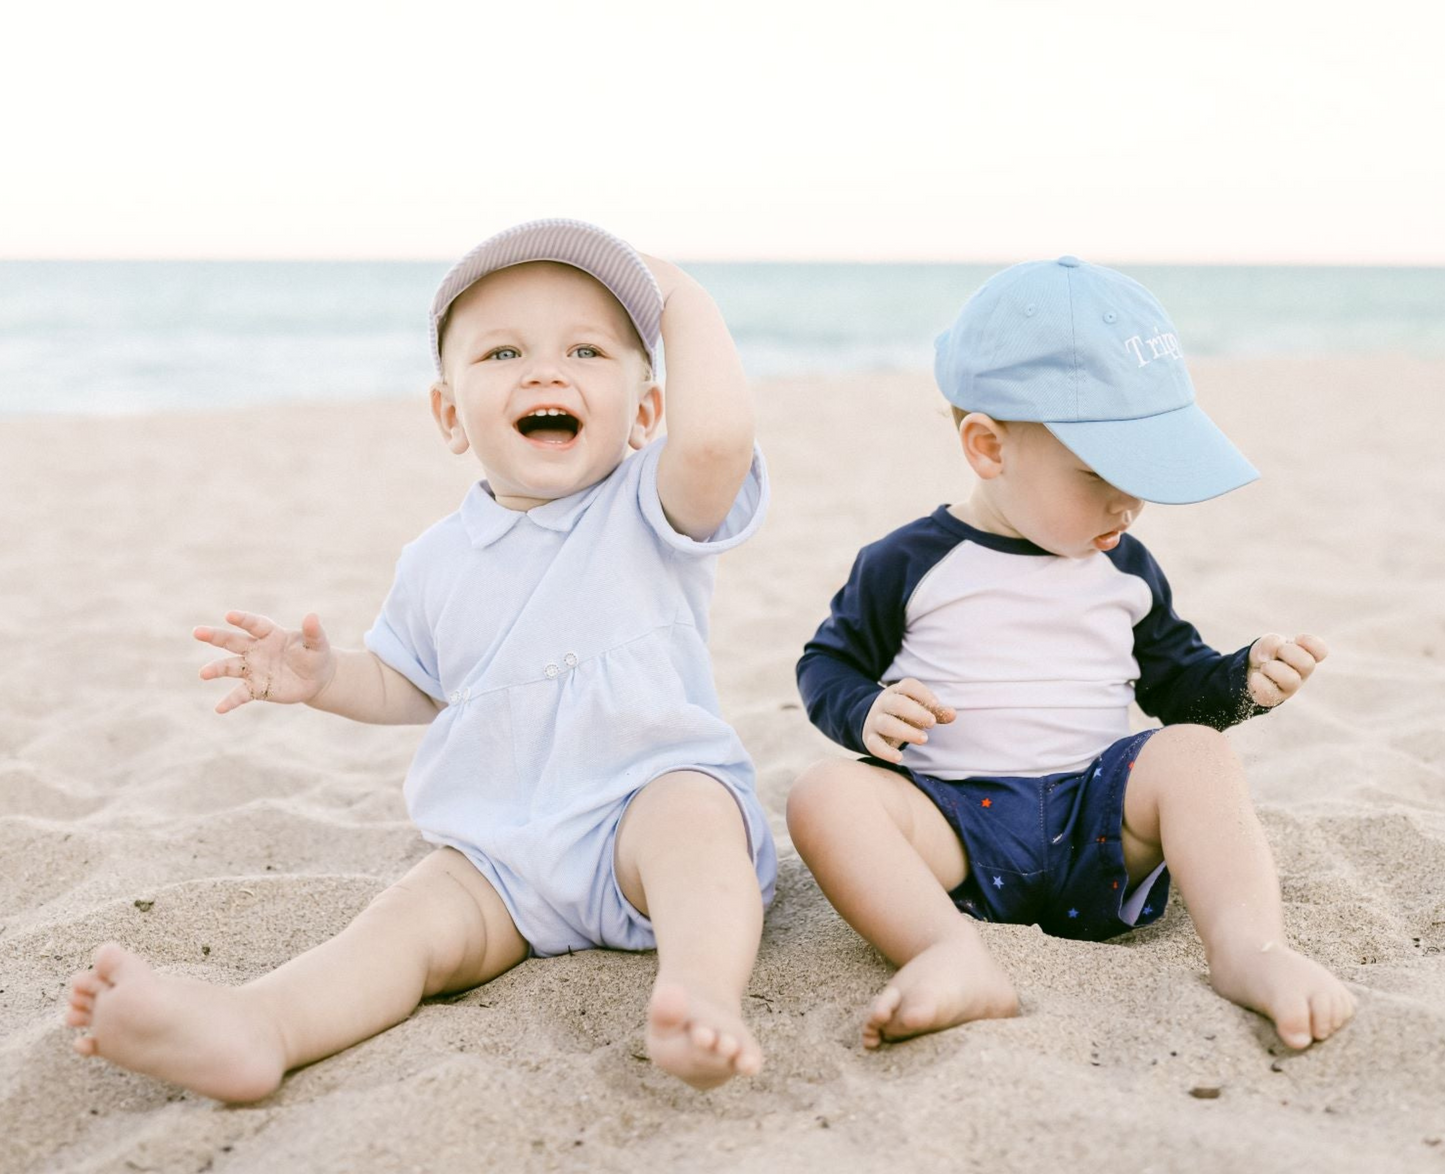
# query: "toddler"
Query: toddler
{"points": [[984, 657], [577, 779]]}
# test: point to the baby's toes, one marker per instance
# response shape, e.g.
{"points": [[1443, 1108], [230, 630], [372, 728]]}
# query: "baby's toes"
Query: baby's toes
{"points": [[107, 962], [1294, 1025], [1322, 1015], [87, 983], [727, 1046], [880, 1014], [884, 1007], [703, 1037], [749, 1061], [1344, 1008], [84, 1044], [79, 1007]]}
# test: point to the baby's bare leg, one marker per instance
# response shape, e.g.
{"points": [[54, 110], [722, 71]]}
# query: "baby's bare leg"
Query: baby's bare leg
{"points": [[886, 858], [1187, 802], [440, 928], [682, 860]]}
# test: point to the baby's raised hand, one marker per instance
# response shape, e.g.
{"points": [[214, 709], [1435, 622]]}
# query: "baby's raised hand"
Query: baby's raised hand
{"points": [[665, 273], [903, 712], [273, 663], [1278, 667]]}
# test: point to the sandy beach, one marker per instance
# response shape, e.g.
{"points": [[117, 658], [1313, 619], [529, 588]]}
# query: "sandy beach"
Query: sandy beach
{"points": [[221, 846]]}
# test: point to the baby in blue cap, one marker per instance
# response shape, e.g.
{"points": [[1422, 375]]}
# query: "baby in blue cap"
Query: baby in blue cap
{"points": [[576, 779], [984, 658]]}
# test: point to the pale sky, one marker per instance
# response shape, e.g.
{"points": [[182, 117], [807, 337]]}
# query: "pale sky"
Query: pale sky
{"points": [[1122, 131]]}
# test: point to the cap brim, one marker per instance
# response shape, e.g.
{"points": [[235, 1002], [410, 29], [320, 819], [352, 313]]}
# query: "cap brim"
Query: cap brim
{"points": [[1172, 458], [584, 246]]}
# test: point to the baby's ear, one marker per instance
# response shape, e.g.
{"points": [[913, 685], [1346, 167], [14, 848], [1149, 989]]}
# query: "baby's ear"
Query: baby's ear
{"points": [[444, 412], [982, 440], [649, 416]]}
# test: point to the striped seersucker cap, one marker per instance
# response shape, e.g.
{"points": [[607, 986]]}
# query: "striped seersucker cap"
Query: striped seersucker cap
{"points": [[584, 246]]}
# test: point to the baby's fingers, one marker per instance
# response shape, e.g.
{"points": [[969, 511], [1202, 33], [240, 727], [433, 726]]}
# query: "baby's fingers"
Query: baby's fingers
{"points": [[1286, 679], [236, 698], [1265, 648], [898, 730], [921, 693], [1316, 647], [313, 636], [903, 707], [222, 638], [1264, 691], [876, 746], [1298, 657], [234, 666], [259, 626]]}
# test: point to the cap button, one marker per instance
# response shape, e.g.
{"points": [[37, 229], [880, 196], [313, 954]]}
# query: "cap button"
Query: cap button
{"points": [[1068, 261]]}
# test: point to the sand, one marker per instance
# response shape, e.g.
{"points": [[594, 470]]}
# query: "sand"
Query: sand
{"points": [[222, 846]]}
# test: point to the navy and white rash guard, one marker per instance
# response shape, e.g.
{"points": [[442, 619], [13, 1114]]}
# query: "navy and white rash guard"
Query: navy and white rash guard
{"points": [[1040, 655]]}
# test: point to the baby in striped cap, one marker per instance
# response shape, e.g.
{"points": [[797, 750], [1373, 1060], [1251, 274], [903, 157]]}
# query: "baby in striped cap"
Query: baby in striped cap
{"points": [[577, 780]]}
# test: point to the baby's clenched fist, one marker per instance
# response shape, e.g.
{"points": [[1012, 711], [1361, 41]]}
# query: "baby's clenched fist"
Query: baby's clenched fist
{"points": [[1278, 667]]}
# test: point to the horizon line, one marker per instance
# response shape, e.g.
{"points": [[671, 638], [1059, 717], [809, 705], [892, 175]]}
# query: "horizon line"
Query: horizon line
{"points": [[233, 259]]}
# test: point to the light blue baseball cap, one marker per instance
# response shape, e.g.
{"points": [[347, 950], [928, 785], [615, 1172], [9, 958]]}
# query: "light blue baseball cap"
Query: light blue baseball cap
{"points": [[1090, 354]]}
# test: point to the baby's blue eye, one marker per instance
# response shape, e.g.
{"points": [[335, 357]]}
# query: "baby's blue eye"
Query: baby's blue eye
{"points": [[505, 352], [587, 352]]}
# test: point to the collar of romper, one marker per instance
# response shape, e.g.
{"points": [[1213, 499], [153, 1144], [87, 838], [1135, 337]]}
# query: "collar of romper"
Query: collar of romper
{"points": [[486, 521]]}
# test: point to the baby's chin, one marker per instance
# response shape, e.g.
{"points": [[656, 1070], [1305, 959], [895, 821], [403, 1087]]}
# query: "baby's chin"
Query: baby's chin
{"points": [[1071, 547], [525, 493]]}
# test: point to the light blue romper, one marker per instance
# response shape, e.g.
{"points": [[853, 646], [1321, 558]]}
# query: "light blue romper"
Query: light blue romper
{"points": [[570, 643]]}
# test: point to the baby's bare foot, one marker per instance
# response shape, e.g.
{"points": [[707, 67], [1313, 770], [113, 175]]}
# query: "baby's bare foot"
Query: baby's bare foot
{"points": [[698, 1040], [1305, 1001], [949, 983], [204, 1037]]}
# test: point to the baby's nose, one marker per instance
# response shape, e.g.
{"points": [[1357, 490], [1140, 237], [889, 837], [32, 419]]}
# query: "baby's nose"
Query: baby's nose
{"points": [[544, 371]]}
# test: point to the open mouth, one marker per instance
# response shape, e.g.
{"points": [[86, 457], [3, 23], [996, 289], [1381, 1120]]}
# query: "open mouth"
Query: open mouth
{"points": [[1108, 541], [550, 426]]}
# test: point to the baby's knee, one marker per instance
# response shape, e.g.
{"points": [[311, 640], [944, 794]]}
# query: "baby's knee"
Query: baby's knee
{"points": [[1197, 759], [695, 797], [828, 791], [678, 809], [444, 913], [809, 796]]}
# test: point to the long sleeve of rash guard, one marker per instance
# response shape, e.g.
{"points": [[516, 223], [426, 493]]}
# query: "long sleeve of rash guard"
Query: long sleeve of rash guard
{"points": [[838, 675], [1181, 678]]}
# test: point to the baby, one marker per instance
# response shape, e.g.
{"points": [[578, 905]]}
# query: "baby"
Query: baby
{"points": [[577, 780], [984, 658]]}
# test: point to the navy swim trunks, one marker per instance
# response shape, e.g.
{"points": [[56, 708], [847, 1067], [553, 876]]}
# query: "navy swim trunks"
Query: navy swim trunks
{"points": [[1048, 850]]}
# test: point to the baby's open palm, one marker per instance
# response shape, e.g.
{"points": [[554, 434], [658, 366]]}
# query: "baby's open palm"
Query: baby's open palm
{"points": [[272, 663]]}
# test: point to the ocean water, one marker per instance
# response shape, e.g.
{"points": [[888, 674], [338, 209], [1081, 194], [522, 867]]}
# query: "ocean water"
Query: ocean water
{"points": [[138, 336]]}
